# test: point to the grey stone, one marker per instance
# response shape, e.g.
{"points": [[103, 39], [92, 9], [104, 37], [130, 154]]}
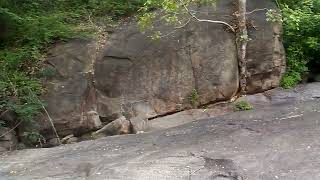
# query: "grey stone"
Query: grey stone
{"points": [[52, 142], [265, 52], [188, 116], [261, 100], [72, 140], [116, 127], [69, 139], [70, 96], [139, 108], [139, 124], [133, 68]]}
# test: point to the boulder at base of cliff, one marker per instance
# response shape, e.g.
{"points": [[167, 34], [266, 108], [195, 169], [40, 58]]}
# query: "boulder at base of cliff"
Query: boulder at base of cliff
{"points": [[116, 127]]}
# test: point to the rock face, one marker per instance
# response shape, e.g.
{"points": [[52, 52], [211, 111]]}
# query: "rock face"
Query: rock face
{"points": [[134, 75], [162, 75], [265, 52], [70, 96]]}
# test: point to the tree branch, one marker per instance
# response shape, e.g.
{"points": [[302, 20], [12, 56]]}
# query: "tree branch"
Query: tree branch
{"points": [[177, 28], [210, 13], [256, 10], [2, 135], [205, 20], [50, 119]]}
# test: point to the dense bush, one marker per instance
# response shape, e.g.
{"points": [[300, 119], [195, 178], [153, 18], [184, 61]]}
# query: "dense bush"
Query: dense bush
{"points": [[301, 38]]}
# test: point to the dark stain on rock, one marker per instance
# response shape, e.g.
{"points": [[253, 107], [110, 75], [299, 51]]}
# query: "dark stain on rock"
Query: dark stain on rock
{"points": [[223, 169], [84, 169]]}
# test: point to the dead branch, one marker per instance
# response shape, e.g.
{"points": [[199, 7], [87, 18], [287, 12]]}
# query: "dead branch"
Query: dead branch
{"points": [[257, 10], [205, 20], [2, 135], [50, 119], [177, 28]]}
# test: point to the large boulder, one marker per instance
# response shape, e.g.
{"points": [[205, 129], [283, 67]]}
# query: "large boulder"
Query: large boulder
{"points": [[265, 51], [133, 75], [116, 127], [161, 75], [70, 93]]}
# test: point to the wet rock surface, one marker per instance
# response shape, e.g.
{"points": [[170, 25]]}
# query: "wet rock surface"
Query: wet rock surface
{"points": [[280, 141]]}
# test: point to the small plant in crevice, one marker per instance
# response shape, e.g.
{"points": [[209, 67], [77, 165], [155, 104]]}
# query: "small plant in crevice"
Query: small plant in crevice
{"points": [[194, 98], [244, 38], [243, 106]]}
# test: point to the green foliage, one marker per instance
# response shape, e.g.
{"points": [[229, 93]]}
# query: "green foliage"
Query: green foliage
{"points": [[243, 106], [274, 16], [18, 92], [301, 38], [170, 12], [194, 98], [33, 137], [296, 66], [245, 38]]}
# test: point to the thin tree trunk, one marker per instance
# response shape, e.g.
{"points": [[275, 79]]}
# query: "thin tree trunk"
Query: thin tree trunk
{"points": [[242, 40]]}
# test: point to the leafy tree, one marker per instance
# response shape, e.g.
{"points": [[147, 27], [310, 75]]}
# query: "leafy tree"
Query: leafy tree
{"points": [[301, 38]]}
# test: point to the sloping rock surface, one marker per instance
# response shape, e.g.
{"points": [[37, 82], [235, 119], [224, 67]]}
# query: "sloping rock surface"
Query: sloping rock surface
{"points": [[257, 101], [280, 141]]}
